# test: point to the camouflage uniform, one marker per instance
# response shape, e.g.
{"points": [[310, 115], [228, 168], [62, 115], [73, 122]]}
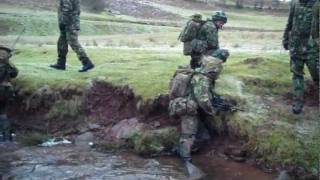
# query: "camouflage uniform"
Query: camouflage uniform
{"points": [[208, 34], [7, 72], [296, 39], [69, 25], [314, 39], [198, 99]]}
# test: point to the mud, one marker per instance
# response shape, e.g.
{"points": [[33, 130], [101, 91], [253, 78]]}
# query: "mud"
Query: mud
{"points": [[106, 104], [311, 95]]}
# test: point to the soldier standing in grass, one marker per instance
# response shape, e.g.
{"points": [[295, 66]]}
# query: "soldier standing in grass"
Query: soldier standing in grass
{"points": [[7, 72], [69, 25], [192, 94], [296, 40], [201, 37]]}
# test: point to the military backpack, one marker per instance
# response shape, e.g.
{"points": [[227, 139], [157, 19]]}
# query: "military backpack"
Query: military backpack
{"points": [[189, 34], [179, 83]]}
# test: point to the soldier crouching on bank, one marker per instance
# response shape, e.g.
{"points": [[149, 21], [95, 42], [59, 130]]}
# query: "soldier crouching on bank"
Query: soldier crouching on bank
{"points": [[7, 72], [192, 92]]}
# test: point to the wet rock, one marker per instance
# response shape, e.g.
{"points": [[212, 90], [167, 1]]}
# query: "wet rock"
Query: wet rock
{"points": [[283, 176], [72, 162], [125, 129], [84, 140], [235, 151], [155, 142], [93, 126]]}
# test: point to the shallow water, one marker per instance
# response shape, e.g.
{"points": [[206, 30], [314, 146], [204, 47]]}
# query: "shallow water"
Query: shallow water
{"points": [[71, 162]]}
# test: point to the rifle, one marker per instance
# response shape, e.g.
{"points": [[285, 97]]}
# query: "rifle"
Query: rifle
{"points": [[17, 39], [221, 105]]}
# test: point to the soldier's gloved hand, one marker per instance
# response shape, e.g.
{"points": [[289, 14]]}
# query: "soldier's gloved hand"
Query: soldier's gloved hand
{"points": [[285, 44]]}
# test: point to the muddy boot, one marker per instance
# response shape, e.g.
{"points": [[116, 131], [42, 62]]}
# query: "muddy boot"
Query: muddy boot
{"points": [[60, 65], [86, 65], [194, 173], [297, 107]]}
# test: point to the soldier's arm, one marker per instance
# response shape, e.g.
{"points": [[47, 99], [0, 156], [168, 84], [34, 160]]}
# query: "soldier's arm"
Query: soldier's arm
{"points": [[202, 94], [76, 10], [2, 71], [289, 25], [13, 71], [212, 38], [315, 21]]}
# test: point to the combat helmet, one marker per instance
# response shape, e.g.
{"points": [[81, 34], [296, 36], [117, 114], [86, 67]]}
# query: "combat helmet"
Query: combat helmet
{"points": [[5, 53], [219, 16]]}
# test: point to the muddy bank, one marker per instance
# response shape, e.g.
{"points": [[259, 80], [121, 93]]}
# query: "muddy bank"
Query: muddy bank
{"points": [[113, 118]]}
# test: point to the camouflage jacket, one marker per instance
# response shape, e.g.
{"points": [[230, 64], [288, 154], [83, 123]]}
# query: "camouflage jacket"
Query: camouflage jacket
{"points": [[315, 20], [202, 91], [298, 27], [209, 33], [69, 13], [7, 72]]}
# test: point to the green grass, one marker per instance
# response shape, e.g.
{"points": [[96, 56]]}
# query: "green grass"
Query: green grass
{"points": [[148, 72], [44, 23]]}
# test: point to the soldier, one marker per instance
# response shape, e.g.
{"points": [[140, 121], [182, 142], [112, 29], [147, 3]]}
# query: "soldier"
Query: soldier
{"points": [[296, 40], [193, 96], [69, 25], [208, 34], [314, 39], [7, 72]]}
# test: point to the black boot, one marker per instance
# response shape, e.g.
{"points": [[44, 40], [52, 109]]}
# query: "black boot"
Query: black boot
{"points": [[87, 65], [60, 65], [193, 171], [297, 107]]}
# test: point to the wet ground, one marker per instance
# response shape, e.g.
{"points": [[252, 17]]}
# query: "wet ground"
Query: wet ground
{"points": [[72, 162]]}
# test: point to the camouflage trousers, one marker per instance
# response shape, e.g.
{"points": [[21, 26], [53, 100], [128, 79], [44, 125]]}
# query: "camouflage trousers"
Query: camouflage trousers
{"points": [[70, 37], [193, 133], [189, 128], [6, 93], [311, 59], [5, 127]]}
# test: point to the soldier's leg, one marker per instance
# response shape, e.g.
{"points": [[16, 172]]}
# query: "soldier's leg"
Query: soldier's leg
{"points": [[189, 127], [298, 84], [313, 61], [195, 60], [62, 46], [73, 41]]}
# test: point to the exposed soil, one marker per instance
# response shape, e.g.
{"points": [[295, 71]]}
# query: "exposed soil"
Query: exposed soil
{"points": [[107, 104], [139, 9], [254, 62], [311, 95]]}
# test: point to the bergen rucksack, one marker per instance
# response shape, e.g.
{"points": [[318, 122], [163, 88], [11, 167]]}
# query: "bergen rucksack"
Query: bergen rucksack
{"points": [[179, 84], [190, 32]]}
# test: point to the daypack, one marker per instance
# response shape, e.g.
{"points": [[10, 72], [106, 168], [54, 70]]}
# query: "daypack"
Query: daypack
{"points": [[190, 32], [179, 84]]}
